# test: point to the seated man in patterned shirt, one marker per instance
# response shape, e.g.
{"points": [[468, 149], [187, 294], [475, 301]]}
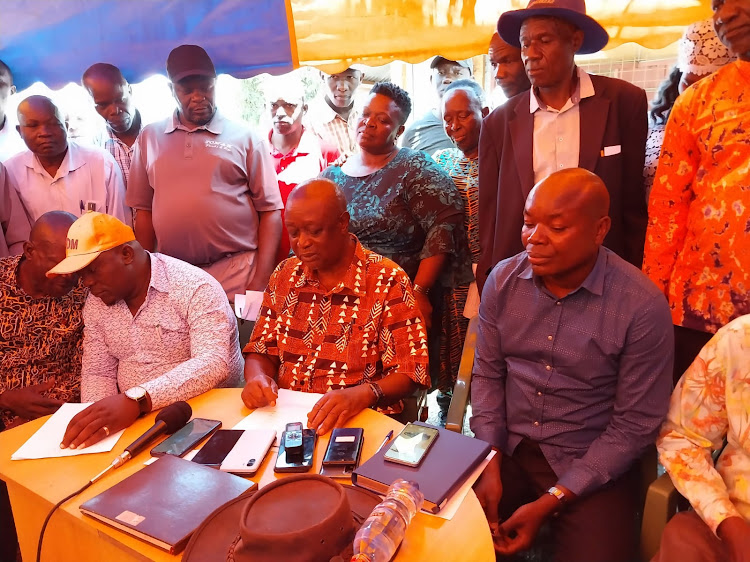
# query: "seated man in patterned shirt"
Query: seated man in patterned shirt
{"points": [[336, 319], [41, 326], [710, 406], [158, 330], [571, 379]]}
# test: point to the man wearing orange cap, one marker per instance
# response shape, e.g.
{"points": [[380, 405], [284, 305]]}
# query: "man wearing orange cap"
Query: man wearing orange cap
{"points": [[156, 328]]}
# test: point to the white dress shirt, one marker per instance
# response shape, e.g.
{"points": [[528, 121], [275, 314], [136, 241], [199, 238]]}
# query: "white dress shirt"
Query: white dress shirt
{"points": [[557, 133], [88, 179], [11, 142]]}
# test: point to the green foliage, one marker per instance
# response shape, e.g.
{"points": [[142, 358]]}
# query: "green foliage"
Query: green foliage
{"points": [[252, 102]]}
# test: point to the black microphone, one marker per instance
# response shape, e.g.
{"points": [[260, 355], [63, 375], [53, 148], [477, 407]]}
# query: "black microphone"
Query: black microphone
{"points": [[169, 420]]}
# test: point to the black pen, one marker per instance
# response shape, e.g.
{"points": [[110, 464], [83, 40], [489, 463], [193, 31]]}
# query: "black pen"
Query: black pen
{"points": [[387, 438]]}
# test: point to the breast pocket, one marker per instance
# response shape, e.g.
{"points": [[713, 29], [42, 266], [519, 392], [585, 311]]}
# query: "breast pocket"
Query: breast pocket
{"points": [[168, 336]]}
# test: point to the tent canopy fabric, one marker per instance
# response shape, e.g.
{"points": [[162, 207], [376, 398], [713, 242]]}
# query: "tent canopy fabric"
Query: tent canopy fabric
{"points": [[54, 41]]}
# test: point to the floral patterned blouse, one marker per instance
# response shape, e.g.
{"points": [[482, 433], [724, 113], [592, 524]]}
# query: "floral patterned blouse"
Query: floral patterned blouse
{"points": [[407, 211], [698, 238], [711, 402]]}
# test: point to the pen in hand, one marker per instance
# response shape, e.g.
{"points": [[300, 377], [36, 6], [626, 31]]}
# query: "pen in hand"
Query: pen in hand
{"points": [[385, 441]]}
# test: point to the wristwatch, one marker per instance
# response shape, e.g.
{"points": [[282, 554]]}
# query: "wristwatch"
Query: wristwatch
{"points": [[138, 394], [559, 494]]}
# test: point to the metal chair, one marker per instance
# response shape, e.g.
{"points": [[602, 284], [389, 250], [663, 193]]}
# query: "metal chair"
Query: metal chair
{"points": [[457, 409]]}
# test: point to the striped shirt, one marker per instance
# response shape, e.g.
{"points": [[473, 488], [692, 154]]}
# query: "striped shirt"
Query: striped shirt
{"points": [[332, 128]]}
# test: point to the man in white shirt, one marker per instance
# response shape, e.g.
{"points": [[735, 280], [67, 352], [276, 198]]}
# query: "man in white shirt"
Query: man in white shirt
{"points": [[157, 330], [10, 142], [55, 174]]}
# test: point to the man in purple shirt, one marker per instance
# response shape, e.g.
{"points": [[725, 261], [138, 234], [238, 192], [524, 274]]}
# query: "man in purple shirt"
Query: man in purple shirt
{"points": [[571, 380]]}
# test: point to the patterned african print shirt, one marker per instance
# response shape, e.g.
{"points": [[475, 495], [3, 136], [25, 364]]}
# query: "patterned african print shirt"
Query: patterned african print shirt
{"points": [[39, 338], [366, 328], [710, 403], [697, 248], [465, 174]]}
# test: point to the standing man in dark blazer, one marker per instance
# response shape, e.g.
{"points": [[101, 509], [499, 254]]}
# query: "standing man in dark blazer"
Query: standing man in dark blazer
{"points": [[568, 119]]}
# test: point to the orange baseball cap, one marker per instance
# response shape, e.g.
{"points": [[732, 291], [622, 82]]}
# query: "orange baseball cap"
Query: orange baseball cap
{"points": [[88, 237]]}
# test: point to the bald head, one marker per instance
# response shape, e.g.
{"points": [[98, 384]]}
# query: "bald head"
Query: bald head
{"points": [[575, 189], [318, 227], [113, 99], [319, 191], [43, 128], [564, 224], [38, 104], [45, 249], [52, 227], [102, 71]]}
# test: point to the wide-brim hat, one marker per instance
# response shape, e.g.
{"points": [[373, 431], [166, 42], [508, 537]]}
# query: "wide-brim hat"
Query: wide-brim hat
{"points": [[595, 37], [224, 535]]}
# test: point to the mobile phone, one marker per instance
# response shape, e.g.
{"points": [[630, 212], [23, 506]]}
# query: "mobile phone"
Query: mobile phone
{"points": [[296, 463], [345, 446], [248, 453], [217, 448], [186, 438], [293, 439], [411, 445]]}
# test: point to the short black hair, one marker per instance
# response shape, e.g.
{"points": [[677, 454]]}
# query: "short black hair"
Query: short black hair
{"points": [[6, 68], [399, 96], [467, 84]]}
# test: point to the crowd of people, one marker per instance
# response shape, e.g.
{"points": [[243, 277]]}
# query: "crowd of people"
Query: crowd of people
{"points": [[602, 246]]}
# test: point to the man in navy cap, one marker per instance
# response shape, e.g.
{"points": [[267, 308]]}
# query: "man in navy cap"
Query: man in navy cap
{"points": [[203, 187], [568, 119], [428, 132]]}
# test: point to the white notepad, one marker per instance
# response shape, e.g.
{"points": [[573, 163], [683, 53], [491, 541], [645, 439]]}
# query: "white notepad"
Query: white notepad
{"points": [[45, 443]]}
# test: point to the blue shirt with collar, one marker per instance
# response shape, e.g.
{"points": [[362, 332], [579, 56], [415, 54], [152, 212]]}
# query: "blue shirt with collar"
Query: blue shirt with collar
{"points": [[588, 376]]}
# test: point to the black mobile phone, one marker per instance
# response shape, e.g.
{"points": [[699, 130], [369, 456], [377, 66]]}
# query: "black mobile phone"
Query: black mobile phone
{"points": [[345, 446], [217, 448], [300, 462], [186, 438], [411, 445], [293, 438]]}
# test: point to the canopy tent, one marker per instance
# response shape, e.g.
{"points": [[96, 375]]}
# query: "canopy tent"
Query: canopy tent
{"points": [[53, 41]]}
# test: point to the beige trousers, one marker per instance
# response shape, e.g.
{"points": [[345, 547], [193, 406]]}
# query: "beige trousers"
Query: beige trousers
{"points": [[233, 272]]}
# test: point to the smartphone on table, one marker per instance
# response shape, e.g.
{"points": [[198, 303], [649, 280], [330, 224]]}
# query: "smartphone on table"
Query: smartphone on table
{"points": [[343, 453], [218, 447], [296, 449], [248, 453], [180, 442], [411, 445]]}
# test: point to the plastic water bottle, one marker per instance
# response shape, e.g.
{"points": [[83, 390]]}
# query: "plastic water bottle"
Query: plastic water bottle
{"points": [[379, 536]]}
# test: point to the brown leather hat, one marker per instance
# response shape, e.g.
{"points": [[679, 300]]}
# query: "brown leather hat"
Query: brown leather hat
{"points": [[300, 518]]}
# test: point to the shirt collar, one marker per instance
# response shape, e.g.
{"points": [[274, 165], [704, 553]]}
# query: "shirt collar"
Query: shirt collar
{"points": [[159, 276], [325, 112], [113, 137], [594, 282], [306, 146], [353, 279], [584, 89], [215, 126], [72, 161]]}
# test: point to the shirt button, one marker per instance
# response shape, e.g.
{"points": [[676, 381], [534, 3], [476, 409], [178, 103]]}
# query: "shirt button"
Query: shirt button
{"points": [[560, 139], [548, 367], [549, 338], [561, 165], [558, 303], [536, 423], [539, 393]]}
